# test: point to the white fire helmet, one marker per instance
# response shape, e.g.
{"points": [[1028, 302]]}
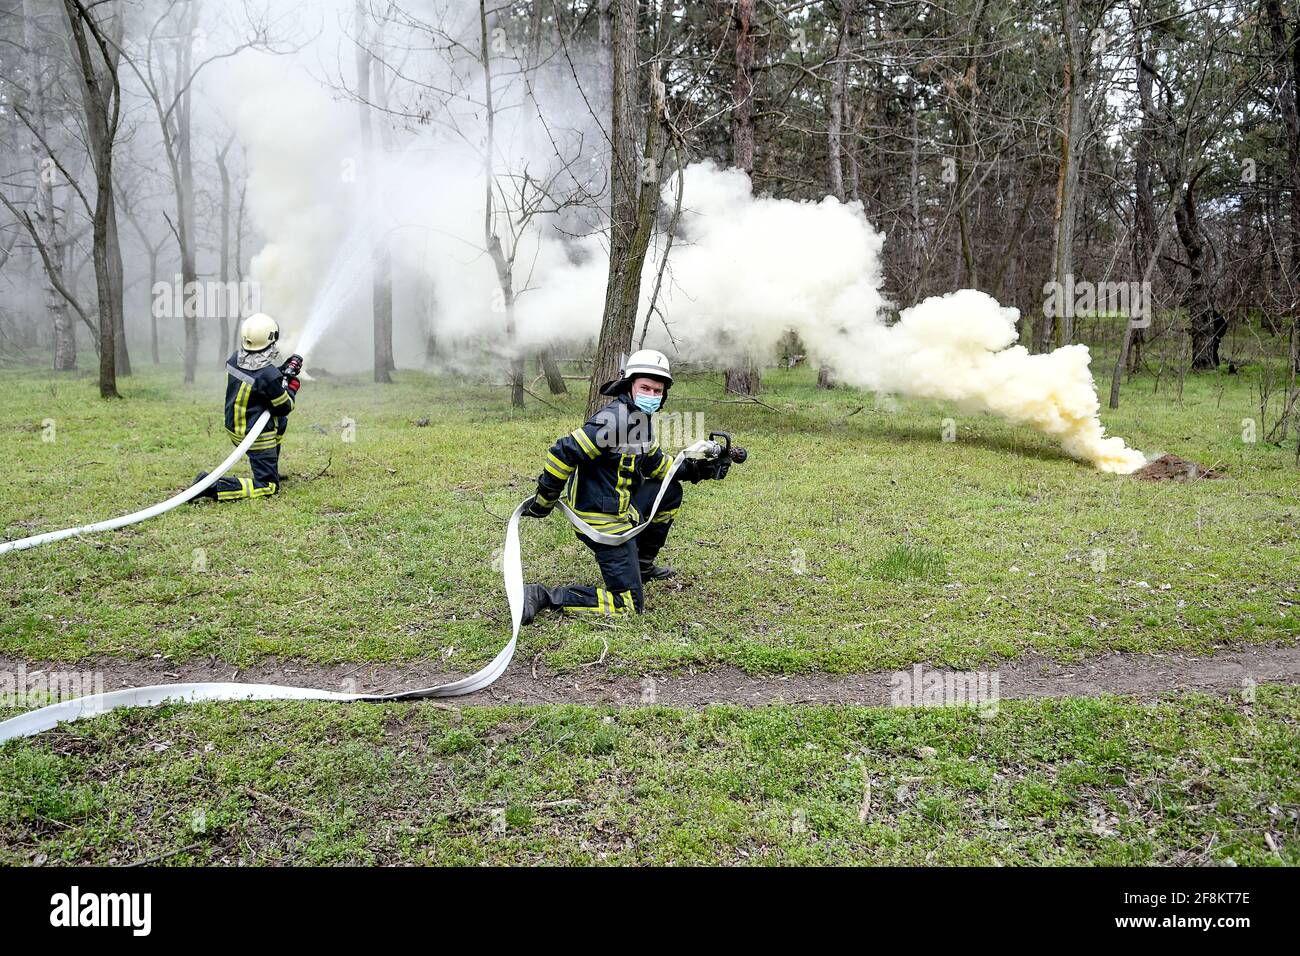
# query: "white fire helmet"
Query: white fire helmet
{"points": [[647, 362], [259, 331], [644, 362]]}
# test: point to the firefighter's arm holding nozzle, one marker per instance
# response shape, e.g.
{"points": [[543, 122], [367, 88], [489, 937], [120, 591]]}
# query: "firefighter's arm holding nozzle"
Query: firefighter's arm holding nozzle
{"points": [[712, 461]]}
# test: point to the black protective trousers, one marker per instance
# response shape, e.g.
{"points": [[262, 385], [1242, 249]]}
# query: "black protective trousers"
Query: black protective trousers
{"points": [[265, 464], [620, 565]]}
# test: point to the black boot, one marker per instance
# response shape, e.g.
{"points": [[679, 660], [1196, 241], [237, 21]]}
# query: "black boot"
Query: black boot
{"points": [[655, 572], [536, 598], [208, 492]]}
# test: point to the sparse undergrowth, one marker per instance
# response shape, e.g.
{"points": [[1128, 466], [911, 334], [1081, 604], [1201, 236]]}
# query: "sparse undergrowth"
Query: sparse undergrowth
{"points": [[381, 549], [1196, 780]]}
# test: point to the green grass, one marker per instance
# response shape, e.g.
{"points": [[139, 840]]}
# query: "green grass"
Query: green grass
{"points": [[903, 562], [1195, 780], [822, 552]]}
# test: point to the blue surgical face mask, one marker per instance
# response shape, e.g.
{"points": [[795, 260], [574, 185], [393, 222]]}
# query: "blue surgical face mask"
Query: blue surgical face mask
{"points": [[648, 403]]}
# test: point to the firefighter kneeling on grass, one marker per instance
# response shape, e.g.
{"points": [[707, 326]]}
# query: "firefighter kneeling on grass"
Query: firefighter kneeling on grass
{"points": [[254, 384], [616, 468]]}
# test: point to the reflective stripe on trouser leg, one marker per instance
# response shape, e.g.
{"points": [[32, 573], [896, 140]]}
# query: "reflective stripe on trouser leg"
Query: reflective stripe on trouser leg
{"points": [[608, 603], [621, 593], [264, 483]]}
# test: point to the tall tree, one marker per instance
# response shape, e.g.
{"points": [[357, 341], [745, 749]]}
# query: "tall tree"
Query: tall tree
{"points": [[381, 284], [745, 378], [96, 39], [634, 197], [32, 108]]}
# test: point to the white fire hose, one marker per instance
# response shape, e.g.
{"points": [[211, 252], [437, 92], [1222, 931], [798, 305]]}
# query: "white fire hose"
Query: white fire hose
{"points": [[46, 718], [152, 512]]}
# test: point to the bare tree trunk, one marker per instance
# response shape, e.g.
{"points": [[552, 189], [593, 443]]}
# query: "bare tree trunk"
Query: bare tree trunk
{"points": [[1203, 319], [839, 79], [545, 357], [746, 378], [914, 190], [44, 173], [225, 253], [634, 197], [123, 357], [239, 259], [101, 100], [1286, 52], [964, 91], [153, 319], [1144, 209], [491, 238], [381, 283], [1074, 117], [185, 186]]}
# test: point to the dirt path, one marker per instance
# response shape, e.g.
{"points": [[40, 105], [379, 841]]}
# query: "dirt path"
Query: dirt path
{"points": [[1143, 675]]}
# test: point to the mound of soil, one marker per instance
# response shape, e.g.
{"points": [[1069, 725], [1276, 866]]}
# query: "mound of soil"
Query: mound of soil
{"points": [[1173, 468]]}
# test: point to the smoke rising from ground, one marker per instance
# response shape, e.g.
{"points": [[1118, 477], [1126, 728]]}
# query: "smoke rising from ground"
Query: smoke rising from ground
{"points": [[753, 267], [743, 272]]}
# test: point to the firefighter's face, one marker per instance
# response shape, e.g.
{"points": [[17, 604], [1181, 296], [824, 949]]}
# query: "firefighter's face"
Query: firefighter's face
{"points": [[648, 387]]}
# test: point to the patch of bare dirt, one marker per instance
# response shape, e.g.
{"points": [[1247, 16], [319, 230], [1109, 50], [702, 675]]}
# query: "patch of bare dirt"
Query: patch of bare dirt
{"points": [[1173, 468], [1143, 675]]}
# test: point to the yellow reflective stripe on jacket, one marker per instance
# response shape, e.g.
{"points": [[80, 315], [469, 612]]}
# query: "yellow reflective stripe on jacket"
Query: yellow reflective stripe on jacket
{"points": [[241, 408], [624, 482], [585, 442], [610, 524], [558, 468], [281, 398]]}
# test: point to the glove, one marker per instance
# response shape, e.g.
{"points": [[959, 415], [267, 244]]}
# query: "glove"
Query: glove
{"points": [[293, 385], [534, 509], [292, 366], [702, 469]]}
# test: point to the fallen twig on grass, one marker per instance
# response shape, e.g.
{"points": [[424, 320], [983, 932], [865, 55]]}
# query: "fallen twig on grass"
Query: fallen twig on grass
{"points": [[865, 811], [391, 471], [542, 400], [751, 398], [604, 650], [482, 501], [162, 856], [841, 421], [328, 461]]}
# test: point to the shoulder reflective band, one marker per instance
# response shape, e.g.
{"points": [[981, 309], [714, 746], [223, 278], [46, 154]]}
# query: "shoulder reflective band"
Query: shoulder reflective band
{"points": [[155, 510], [46, 718], [240, 374]]}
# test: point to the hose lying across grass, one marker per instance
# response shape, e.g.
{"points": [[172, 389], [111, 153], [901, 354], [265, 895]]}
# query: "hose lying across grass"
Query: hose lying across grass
{"points": [[152, 512], [46, 718]]}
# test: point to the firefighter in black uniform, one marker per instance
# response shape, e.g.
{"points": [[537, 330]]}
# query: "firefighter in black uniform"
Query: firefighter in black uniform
{"points": [[616, 468], [254, 384]]}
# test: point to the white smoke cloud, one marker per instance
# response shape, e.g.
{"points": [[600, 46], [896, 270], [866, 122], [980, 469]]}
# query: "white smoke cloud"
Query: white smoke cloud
{"points": [[743, 272], [754, 267]]}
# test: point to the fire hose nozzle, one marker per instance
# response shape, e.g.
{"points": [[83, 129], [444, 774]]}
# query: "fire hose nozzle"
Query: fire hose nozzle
{"points": [[712, 449], [293, 366], [736, 453]]}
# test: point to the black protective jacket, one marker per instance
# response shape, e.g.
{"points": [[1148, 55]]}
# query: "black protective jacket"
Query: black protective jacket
{"points": [[248, 394], [604, 462]]}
